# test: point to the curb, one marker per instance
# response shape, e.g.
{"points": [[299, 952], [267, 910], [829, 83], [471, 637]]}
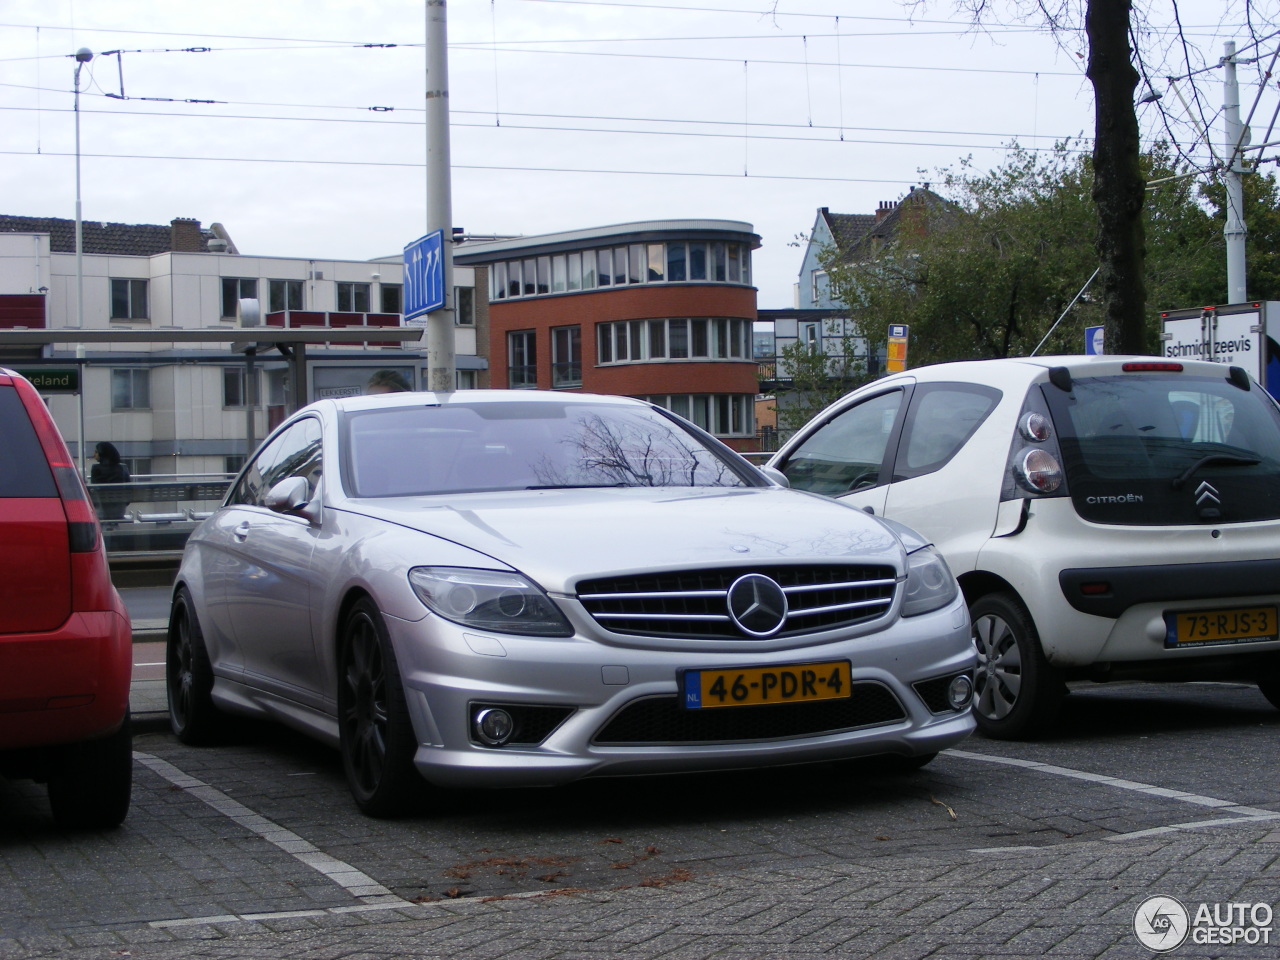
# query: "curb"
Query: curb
{"points": [[150, 631]]}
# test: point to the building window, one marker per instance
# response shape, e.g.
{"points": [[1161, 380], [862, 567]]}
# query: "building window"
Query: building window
{"points": [[697, 338], [522, 359], [284, 295], [464, 306], [566, 356], [392, 298], [235, 289], [723, 414], [818, 280], [138, 467], [468, 379], [233, 392], [131, 389], [232, 462], [352, 298], [699, 260], [128, 299]]}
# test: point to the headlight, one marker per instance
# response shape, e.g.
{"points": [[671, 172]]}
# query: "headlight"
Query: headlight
{"points": [[929, 583], [489, 600]]}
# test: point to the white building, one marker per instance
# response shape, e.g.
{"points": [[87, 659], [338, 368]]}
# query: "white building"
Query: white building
{"points": [[181, 408]]}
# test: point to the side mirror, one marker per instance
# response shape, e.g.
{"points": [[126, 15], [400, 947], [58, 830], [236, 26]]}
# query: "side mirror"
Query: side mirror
{"points": [[776, 475], [290, 495]]}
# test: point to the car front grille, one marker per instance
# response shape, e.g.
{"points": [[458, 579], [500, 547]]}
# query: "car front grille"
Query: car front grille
{"points": [[693, 603], [661, 720]]}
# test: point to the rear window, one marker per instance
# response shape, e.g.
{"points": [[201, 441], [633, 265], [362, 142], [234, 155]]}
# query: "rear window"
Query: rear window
{"points": [[1139, 448], [23, 469]]}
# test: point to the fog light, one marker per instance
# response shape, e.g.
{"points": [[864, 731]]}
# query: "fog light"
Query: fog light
{"points": [[960, 692], [493, 726]]}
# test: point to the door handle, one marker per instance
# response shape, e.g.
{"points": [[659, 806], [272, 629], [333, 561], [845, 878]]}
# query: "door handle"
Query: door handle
{"points": [[241, 532]]}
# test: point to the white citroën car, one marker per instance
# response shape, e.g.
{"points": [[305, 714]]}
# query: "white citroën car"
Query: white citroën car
{"points": [[1107, 517], [491, 588]]}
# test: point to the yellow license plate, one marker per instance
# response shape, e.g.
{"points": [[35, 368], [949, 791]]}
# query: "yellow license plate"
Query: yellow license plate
{"points": [[1189, 628], [758, 686]]}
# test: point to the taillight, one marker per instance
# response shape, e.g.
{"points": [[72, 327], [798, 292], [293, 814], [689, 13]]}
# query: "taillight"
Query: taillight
{"points": [[1034, 468], [1151, 366], [1039, 471], [1034, 427], [82, 521]]}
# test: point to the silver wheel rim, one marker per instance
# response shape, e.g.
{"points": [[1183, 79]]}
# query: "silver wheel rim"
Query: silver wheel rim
{"points": [[999, 674]]}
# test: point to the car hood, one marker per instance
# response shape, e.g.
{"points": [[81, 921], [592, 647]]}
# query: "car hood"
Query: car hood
{"points": [[560, 536]]}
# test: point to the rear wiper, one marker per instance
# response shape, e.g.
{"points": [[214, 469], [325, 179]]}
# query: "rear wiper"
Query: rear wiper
{"points": [[1222, 458]]}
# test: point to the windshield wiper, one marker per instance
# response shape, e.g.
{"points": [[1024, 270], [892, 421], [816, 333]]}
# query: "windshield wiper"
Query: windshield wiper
{"points": [[1222, 458]]}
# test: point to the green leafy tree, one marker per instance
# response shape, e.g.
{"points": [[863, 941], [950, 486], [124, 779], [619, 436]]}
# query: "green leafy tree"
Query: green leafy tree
{"points": [[816, 379], [1262, 245], [989, 275]]}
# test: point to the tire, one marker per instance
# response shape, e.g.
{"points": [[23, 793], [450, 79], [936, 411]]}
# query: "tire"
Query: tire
{"points": [[1017, 691], [376, 734], [91, 783], [1270, 688], [189, 677]]}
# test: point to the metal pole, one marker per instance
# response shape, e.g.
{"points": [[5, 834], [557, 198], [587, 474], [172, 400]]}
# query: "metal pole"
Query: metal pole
{"points": [[250, 400], [80, 403], [441, 358], [1233, 178], [83, 56]]}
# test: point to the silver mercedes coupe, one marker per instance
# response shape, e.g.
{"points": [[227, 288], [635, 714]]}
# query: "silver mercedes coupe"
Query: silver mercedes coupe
{"points": [[502, 588]]}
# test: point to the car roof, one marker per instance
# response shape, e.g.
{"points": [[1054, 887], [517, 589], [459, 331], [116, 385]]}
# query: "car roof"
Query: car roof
{"points": [[1024, 369], [418, 398]]}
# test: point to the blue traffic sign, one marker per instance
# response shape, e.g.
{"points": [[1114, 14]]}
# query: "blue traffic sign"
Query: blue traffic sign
{"points": [[424, 275], [897, 330], [1093, 345]]}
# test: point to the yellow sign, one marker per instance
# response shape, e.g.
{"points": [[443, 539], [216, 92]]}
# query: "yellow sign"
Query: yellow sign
{"points": [[897, 353]]}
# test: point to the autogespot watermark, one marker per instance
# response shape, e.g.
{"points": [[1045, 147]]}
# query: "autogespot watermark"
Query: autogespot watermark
{"points": [[1164, 923]]}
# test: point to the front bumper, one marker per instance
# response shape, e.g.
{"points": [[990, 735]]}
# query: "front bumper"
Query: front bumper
{"points": [[447, 670]]}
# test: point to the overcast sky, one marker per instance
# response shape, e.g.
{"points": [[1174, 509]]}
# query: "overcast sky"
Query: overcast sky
{"points": [[565, 113]]}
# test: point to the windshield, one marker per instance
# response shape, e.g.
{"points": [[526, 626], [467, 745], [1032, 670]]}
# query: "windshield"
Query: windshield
{"points": [[514, 445], [1143, 440]]}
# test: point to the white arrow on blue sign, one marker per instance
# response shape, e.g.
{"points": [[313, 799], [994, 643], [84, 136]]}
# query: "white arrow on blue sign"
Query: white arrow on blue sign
{"points": [[424, 275]]}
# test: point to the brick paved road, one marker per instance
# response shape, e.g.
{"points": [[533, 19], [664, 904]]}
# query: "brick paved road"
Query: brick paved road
{"points": [[1005, 850]]}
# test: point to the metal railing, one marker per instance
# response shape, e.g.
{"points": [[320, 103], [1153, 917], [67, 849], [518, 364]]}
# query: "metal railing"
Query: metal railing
{"points": [[155, 514]]}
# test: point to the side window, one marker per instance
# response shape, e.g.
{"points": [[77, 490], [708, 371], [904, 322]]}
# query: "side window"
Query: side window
{"points": [[295, 453], [942, 417], [848, 452]]}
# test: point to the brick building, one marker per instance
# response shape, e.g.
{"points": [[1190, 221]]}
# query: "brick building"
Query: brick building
{"points": [[661, 310]]}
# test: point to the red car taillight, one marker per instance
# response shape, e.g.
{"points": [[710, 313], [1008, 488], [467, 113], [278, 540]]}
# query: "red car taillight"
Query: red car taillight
{"points": [[90, 578]]}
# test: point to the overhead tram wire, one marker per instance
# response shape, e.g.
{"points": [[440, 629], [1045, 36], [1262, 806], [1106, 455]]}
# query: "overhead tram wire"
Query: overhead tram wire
{"points": [[841, 132], [472, 166]]}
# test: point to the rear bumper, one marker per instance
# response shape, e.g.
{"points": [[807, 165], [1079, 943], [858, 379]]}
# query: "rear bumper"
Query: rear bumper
{"points": [[1162, 583], [66, 685]]}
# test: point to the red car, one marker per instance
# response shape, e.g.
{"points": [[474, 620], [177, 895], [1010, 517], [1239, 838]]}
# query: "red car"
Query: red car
{"points": [[65, 656]]}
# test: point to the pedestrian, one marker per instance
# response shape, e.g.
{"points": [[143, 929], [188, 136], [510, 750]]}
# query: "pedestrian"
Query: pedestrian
{"points": [[107, 468], [387, 381]]}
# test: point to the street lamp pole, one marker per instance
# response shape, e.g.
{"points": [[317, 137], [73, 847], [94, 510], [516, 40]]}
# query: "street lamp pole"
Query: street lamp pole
{"points": [[83, 56]]}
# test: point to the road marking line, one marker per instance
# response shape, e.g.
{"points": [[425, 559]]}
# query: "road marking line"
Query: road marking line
{"points": [[1227, 806], [1241, 814], [358, 884]]}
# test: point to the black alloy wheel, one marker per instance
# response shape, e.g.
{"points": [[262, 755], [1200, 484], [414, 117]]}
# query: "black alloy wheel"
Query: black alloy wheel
{"points": [[376, 734], [189, 676]]}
